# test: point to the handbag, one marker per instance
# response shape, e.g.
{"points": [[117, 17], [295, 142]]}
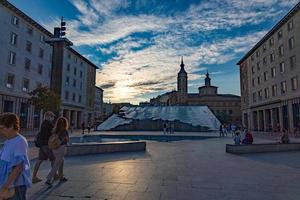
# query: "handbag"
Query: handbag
{"points": [[54, 141], [9, 193]]}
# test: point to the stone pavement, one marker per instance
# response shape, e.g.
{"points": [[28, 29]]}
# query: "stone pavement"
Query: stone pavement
{"points": [[198, 169]]}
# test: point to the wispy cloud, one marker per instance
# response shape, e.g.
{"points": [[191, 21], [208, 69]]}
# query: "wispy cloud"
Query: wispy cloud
{"points": [[142, 41]]}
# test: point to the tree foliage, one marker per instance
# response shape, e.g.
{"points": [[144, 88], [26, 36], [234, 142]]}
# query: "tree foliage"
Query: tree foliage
{"points": [[43, 98]]}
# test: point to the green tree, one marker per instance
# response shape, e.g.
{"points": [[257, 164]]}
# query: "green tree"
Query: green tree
{"points": [[43, 98]]}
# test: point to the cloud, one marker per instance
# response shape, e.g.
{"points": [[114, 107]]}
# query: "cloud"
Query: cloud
{"points": [[206, 33]]}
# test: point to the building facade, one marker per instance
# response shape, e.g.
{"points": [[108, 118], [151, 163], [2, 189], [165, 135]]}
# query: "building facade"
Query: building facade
{"points": [[27, 55], [269, 75], [220, 104], [98, 106]]}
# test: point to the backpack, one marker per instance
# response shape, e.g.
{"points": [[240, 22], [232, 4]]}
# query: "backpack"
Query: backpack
{"points": [[54, 142]]}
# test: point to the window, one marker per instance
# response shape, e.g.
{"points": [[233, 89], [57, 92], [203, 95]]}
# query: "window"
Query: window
{"points": [[282, 67], [260, 95], [41, 53], [258, 66], [13, 39], [66, 95], [25, 85], [265, 60], [81, 63], [290, 25], [252, 57], [68, 67], [74, 82], [283, 87], [27, 63], [272, 57], [273, 70], [274, 90], [293, 61], [81, 73], [266, 93], [69, 55], [40, 69], [281, 50], [42, 38], [257, 53], [75, 60], [79, 98], [279, 34], [10, 80], [291, 42], [67, 80], [230, 112], [253, 82], [294, 82], [73, 97], [265, 76], [29, 30], [28, 46], [253, 71], [75, 71], [264, 47], [15, 20], [258, 80], [12, 58], [271, 41]]}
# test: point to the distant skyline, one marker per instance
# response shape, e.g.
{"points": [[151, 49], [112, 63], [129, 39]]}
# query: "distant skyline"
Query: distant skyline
{"points": [[138, 43]]}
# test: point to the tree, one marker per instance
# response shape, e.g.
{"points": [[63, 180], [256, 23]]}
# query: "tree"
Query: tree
{"points": [[43, 98]]}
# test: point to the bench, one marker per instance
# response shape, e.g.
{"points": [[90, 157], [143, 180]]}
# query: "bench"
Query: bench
{"points": [[261, 148], [80, 149]]}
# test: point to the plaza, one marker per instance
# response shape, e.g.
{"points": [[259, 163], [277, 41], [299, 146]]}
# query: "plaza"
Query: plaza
{"points": [[186, 169]]}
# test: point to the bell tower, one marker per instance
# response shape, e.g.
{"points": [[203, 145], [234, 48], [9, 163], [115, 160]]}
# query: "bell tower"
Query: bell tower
{"points": [[182, 79]]}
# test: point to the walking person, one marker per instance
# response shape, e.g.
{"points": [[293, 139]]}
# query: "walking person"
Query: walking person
{"points": [[89, 127], [82, 127], [42, 143], [165, 128], [61, 131], [14, 163], [221, 130]]}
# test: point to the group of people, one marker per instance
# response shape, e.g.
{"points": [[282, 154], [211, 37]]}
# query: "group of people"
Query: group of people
{"points": [[226, 129], [169, 127], [247, 139], [15, 175]]}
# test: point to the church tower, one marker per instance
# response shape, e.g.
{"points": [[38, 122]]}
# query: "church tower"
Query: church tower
{"points": [[182, 79], [207, 79]]}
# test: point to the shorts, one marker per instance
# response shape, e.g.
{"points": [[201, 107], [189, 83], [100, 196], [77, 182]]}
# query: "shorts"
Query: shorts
{"points": [[45, 153]]}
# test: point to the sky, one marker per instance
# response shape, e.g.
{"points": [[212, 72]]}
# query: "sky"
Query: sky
{"points": [[138, 44]]}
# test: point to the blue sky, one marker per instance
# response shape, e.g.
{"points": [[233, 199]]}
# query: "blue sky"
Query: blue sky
{"points": [[138, 43]]}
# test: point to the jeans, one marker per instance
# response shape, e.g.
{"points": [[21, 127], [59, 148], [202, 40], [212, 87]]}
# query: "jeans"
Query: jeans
{"points": [[20, 193]]}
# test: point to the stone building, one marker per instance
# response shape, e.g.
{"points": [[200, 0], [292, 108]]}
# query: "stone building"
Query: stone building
{"points": [[269, 75], [98, 106], [26, 61], [220, 104]]}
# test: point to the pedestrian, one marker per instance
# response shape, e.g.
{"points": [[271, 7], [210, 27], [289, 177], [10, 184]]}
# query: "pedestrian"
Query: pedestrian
{"points": [[14, 163], [42, 143], [285, 137], [71, 127], [82, 127], [89, 127], [224, 129], [165, 128], [61, 130], [221, 130]]}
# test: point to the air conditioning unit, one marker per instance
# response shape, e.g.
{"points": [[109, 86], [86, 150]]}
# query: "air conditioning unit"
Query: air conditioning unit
{"points": [[8, 85]]}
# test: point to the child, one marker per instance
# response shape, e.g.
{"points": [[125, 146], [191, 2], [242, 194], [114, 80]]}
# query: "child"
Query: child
{"points": [[14, 162], [237, 138]]}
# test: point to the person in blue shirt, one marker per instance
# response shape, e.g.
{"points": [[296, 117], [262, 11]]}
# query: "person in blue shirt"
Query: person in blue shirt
{"points": [[14, 163]]}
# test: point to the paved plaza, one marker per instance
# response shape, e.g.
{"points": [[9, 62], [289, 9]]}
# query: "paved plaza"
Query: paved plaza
{"points": [[198, 169]]}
